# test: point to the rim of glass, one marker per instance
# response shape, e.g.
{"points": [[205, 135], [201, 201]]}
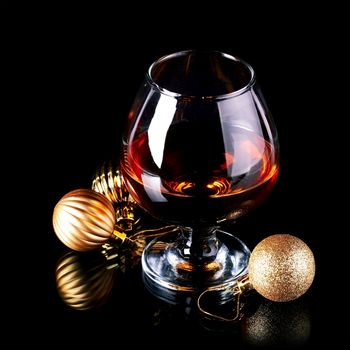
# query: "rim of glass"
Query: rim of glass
{"points": [[216, 97]]}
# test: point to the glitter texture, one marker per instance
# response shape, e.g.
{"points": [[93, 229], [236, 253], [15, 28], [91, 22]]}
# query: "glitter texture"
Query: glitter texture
{"points": [[281, 267]]}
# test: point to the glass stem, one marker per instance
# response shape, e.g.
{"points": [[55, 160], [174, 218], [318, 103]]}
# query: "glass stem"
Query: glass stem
{"points": [[204, 245]]}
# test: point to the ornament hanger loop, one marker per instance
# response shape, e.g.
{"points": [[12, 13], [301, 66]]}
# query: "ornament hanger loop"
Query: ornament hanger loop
{"points": [[237, 309], [237, 290]]}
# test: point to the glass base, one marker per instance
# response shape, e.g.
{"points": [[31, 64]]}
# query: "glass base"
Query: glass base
{"points": [[171, 267]]}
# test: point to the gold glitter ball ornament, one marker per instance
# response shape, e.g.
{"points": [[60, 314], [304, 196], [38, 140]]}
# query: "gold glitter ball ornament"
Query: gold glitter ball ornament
{"points": [[281, 267], [83, 219]]}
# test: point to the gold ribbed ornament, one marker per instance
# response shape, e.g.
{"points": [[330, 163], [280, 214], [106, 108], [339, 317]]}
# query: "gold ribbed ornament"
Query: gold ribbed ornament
{"points": [[83, 219], [281, 267], [109, 181], [83, 282]]}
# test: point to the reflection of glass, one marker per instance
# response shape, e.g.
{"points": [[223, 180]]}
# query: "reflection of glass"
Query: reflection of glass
{"points": [[83, 281], [200, 149]]}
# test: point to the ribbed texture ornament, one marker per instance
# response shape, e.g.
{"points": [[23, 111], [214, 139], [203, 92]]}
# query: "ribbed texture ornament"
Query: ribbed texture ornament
{"points": [[109, 181], [83, 219]]}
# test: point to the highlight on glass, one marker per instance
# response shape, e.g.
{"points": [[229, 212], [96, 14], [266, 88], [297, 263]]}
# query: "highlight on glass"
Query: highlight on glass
{"points": [[200, 148]]}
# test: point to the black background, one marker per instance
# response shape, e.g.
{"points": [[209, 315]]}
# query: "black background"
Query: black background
{"points": [[89, 69]]}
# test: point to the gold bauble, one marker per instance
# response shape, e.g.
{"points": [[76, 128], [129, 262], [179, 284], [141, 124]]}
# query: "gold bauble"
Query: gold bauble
{"points": [[281, 267], [83, 282], [83, 219], [109, 181]]}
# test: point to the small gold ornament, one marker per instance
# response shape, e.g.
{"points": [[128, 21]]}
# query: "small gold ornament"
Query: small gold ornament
{"points": [[281, 267], [129, 249], [83, 282], [123, 253], [109, 181], [83, 219]]}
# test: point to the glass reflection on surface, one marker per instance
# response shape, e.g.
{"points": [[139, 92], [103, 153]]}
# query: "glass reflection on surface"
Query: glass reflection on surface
{"points": [[83, 280]]}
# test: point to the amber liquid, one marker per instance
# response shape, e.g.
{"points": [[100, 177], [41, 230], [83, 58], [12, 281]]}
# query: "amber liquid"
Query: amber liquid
{"points": [[194, 179]]}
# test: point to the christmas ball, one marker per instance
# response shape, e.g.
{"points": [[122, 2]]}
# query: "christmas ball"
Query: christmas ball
{"points": [[281, 267], [83, 219], [109, 181], [83, 282]]}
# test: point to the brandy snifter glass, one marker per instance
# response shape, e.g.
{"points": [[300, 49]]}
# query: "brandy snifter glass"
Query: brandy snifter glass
{"points": [[200, 148]]}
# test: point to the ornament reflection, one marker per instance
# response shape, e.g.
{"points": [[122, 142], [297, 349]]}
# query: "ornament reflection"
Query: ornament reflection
{"points": [[83, 280], [279, 325]]}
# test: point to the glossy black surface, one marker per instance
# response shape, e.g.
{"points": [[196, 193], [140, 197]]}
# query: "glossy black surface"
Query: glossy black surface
{"points": [[92, 78]]}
